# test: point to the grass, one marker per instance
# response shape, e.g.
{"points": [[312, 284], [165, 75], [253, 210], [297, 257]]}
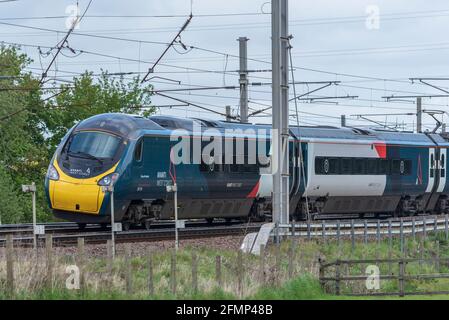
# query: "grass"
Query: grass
{"points": [[31, 276]]}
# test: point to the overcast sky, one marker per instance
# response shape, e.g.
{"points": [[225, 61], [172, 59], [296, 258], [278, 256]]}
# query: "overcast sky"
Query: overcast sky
{"points": [[337, 37]]}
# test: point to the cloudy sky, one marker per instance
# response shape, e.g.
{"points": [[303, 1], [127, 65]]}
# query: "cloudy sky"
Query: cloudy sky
{"points": [[334, 40]]}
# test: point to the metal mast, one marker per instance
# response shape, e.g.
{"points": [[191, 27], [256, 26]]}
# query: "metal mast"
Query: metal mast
{"points": [[419, 115], [280, 135], [243, 53]]}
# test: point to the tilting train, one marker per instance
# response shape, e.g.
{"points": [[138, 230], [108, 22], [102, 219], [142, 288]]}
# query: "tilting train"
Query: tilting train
{"points": [[332, 171]]}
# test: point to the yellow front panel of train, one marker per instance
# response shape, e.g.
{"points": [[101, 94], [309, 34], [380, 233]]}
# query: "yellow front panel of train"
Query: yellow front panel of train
{"points": [[76, 197]]}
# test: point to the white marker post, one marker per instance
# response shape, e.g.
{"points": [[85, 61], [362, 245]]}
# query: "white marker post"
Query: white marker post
{"points": [[174, 189], [110, 189], [32, 189]]}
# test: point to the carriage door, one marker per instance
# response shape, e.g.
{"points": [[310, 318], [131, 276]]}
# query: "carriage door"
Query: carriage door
{"points": [[292, 166], [432, 171], [442, 170]]}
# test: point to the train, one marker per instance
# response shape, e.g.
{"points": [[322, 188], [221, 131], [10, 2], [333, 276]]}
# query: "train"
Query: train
{"points": [[332, 170]]}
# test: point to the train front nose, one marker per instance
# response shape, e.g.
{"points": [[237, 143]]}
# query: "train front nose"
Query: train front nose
{"points": [[79, 197], [75, 195]]}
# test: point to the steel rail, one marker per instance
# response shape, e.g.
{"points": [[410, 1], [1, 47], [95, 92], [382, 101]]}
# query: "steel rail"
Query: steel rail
{"points": [[141, 235]]}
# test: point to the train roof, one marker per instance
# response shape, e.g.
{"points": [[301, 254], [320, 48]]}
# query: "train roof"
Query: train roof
{"points": [[126, 125], [306, 132], [118, 123]]}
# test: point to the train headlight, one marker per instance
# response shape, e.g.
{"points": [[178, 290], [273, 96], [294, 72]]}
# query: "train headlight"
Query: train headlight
{"points": [[108, 180], [52, 173]]}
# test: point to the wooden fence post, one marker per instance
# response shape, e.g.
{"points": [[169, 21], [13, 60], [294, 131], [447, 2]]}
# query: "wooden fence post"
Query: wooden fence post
{"points": [[128, 271], [240, 274], [421, 251], [378, 232], [218, 278], [424, 226], [194, 272], [413, 229], [437, 256], [401, 230], [109, 257], [446, 227], [9, 265], [80, 263], [150, 274], [352, 236], [291, 258], [338, 233], [277, 263], [262, 264], [173, 272], [401, 277], [309, 234], [321, 273], [390, 267], [390, 246], [337, 277], [49, 257], [365, 231], [323, 230], [390, 236]]}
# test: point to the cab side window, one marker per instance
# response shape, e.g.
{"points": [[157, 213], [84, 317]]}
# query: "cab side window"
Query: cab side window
{"points": [[138, 151]]}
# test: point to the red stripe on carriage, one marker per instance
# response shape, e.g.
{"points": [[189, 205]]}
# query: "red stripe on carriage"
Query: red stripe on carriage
{"points": [[381, 149], [255, 190]]}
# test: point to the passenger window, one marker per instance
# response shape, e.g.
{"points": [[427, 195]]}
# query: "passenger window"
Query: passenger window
{"points": [[372, 166], [346, 166], [396, 167], [319, 166], [384, 167], [359, 166], [138, 151], [334, 166]]}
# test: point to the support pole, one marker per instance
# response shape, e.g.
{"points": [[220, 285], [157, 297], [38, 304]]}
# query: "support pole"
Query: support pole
{"points": [[243, 53], [34, 216], [228, 113], [276, 118], [112, 222], [280, 135], [419, 115], [175, 189], [285, 115], [343, 121]]}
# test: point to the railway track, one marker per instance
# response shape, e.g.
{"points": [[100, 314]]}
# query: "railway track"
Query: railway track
{"points": [[70, 227], [67, 233], [157, 234], [369, 228]]}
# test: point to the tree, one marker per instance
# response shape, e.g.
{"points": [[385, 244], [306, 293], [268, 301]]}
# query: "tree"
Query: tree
{"points": [[19, 155]]}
